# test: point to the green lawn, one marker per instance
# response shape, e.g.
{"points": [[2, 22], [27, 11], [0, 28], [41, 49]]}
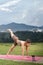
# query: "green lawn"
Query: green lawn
{"points": [[9, 62], [34, 49]]}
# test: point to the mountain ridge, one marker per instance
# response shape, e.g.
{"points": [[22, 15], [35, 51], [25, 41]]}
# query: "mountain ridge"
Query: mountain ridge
{"points": [[19, 27]]}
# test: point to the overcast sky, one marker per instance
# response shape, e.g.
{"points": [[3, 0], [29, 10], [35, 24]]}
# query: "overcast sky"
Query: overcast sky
{"points": [[21, 11]]}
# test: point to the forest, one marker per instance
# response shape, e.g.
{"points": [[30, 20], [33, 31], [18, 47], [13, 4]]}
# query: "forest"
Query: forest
{"points": [[23, 35]]}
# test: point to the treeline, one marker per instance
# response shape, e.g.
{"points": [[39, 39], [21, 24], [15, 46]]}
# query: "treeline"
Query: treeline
{"points": [[23, 35]]}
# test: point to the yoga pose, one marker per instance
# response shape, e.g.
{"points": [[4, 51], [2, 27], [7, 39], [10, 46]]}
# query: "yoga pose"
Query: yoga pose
{"points": [[18, 42]]}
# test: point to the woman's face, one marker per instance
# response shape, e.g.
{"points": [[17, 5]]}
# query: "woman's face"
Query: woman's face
{"points": [[26, 44]]}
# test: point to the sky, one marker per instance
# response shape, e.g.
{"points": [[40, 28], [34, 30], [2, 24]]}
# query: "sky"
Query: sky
{"points": [[28, 12]]}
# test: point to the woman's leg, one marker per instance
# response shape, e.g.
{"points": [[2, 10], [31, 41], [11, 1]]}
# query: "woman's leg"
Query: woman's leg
{"points": [[11, 48], [22, 50], [27, 47], [26, 50]]}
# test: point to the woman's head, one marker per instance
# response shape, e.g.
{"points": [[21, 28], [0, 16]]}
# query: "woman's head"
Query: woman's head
{"points": [[28, 41]]}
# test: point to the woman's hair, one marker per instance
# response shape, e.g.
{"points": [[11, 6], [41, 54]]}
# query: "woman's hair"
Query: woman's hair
{"points": [[28, 41]]}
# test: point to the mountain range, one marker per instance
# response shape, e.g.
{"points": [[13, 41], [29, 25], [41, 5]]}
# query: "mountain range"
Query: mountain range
{"points": [[19, 27]]}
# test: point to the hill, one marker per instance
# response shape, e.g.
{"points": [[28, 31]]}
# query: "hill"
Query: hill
{"points": [[19, 27]]}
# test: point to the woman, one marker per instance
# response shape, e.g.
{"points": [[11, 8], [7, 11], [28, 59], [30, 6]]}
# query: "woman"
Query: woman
{"points": [[18, 42]]}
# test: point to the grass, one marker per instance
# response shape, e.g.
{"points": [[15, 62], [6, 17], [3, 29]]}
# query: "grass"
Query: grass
{"points": [[9, 62], [34, 49]]}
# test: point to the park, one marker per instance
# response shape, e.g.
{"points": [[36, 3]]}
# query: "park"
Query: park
{"points": [[35, 49]]}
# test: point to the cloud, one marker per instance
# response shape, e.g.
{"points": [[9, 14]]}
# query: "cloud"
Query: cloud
{"points": [[10, 3], [4, 7], [41, 8], [24, 14], [21, 15]]}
